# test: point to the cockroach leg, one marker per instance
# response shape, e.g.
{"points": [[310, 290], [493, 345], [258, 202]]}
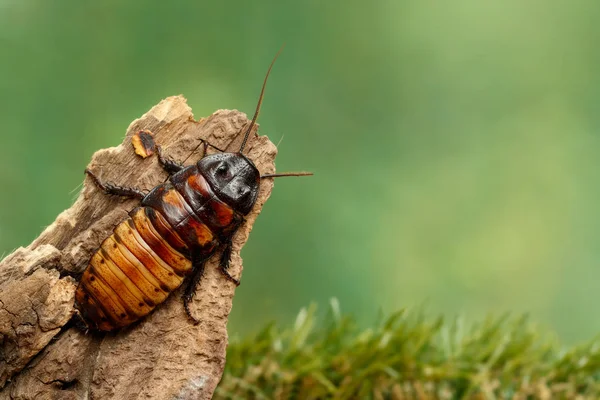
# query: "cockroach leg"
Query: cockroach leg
{"points": [[109, 188]]}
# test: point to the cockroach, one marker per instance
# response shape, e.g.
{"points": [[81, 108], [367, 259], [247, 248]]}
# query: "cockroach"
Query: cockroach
{"points": [[178, 226]]}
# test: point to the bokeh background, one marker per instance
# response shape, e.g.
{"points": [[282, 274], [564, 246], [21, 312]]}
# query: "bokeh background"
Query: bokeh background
{"points": [[455, 143]]}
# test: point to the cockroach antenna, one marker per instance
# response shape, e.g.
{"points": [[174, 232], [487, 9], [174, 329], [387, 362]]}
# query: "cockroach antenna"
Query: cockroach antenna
{"points": [[247, 134], [260, 99]]}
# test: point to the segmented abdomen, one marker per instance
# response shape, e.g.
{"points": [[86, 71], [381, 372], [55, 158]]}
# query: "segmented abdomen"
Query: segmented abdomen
{"points": [[149, 254], [134, 270]]}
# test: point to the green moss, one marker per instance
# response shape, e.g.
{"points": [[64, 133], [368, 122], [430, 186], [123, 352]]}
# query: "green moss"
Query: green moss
{"points": [[408, 356]]}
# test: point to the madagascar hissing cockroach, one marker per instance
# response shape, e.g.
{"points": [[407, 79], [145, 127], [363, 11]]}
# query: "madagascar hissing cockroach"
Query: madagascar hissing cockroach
{"points": [[178, 226]]}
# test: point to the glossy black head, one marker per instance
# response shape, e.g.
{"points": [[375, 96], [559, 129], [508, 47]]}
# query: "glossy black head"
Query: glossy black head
{"points": [[234, 179]]}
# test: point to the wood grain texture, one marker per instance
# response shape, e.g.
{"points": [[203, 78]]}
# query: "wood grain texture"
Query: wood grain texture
{"points": [[162, 357]]}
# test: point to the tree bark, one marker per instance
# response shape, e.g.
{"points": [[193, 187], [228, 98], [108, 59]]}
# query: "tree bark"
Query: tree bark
{"points": [[164, 356]]}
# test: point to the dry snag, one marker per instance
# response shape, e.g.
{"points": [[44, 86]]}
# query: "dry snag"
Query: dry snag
{"points": [[163, 356]]}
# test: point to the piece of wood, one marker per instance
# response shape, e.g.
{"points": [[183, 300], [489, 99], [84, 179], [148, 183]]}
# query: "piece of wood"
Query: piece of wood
{"points": [[164, 356]]}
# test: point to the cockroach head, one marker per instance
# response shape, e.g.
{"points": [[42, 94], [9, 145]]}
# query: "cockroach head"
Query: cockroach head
{"points": [[234, 179]]}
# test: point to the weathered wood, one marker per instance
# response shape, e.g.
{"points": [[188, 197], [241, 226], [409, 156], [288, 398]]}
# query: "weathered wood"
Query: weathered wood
{"points": [[162, 357]]}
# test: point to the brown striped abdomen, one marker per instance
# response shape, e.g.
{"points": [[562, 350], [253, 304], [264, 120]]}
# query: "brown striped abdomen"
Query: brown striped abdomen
{"points": [[149, 255], [134, 270]]}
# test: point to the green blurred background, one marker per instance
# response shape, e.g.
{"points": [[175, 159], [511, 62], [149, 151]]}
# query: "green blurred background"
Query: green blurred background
{"points": [[455, 144]]}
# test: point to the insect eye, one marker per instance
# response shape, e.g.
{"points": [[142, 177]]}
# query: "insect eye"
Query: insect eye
{"points": [[223, 170], [243, 191]]}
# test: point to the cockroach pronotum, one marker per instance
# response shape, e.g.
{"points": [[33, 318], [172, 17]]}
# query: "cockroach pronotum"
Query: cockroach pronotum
{"points": [[178, 226]]}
